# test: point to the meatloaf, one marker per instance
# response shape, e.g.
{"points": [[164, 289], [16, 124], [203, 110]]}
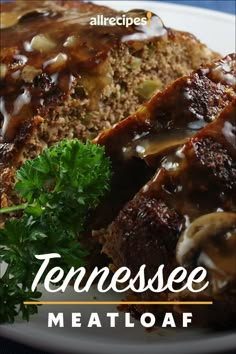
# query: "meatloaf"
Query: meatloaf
{"points": [[185, 214], [61, 77], [137, 144]]}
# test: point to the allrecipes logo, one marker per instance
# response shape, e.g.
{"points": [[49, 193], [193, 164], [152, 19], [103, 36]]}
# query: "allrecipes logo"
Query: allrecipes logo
{"points": [[124, 20]]}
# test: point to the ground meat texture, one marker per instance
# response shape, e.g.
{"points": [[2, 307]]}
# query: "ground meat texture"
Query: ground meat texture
{"points": [[145, 232], [216, 159], [182, 109], [147, 229], [97, 85]]}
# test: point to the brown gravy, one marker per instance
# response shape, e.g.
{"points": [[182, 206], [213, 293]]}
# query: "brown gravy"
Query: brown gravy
{"points": [[47, 44]]}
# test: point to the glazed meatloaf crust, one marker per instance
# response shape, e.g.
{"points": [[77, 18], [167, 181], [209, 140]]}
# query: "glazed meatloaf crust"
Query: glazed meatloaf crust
{"points": [[62, 77], [137, 144], [186, 216], [185, 138]]}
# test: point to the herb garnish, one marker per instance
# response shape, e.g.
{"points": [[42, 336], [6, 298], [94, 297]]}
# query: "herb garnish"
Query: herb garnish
{"points": [[59, 186]]}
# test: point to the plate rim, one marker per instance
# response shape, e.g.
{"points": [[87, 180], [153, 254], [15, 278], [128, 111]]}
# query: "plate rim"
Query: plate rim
{"points": [[178, 7], [202, 344]]}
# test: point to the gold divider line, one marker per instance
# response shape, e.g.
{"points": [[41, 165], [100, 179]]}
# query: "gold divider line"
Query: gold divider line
{"points": [[118, 302]]}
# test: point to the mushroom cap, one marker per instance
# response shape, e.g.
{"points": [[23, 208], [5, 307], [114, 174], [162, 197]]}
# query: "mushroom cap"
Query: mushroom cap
{"points": [[210, 241]]}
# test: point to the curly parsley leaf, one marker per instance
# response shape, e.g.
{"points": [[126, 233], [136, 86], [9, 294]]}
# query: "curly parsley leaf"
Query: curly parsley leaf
{"points": [[60, 187]]}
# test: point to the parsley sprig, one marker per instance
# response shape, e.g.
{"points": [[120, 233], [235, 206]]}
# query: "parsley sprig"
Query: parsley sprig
{"points": [[59, 187]]}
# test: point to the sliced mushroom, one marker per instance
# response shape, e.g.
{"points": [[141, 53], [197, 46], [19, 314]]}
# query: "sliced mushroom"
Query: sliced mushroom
{"points": [[210, 241], [201, 231]]}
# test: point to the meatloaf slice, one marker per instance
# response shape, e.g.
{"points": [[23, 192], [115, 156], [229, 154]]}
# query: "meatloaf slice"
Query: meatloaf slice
{"points": [[192, 194], [62, 77], [138, 144]]}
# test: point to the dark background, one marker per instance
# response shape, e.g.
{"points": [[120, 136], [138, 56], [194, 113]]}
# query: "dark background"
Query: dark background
{"points": [[9, 347]]}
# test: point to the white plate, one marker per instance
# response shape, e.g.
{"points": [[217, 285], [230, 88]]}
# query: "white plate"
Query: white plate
{"points": [[214, 28], [217, 30]]}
